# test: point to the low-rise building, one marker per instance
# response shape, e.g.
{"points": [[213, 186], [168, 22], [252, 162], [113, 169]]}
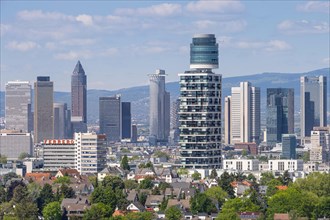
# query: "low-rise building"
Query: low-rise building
{"points": [[289, 165], [241, 164]]}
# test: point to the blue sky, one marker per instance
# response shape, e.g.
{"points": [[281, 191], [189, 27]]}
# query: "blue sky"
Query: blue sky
{"points": [[120, 42]]}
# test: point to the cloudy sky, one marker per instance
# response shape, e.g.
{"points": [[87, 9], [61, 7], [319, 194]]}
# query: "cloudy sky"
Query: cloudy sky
{"points": [[120, 42]]}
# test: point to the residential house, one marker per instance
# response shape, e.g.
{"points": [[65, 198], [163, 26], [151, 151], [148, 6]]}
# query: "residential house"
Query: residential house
{"points": [[135, 207], [75, 208], [153, 202], [111, 171]]}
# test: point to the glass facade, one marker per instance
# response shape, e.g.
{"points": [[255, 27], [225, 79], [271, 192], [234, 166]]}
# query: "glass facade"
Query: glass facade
{"points": [[204, 52], [280, 114]]}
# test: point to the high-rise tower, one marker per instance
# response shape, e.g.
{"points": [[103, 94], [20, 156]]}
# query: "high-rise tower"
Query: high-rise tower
{"points": [[79, 97], [110, 118], [200, 106], [43, 109], [18, 106], [313, 102], [243, 114], [280, 114], [159, 115]]}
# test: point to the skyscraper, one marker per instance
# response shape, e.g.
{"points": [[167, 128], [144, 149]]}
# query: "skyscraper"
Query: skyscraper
{"points": [[90, 152], [289, 144], [313, 104], [18, 106], [227, 119], [79, 96], [200, 106], [43, 109], [280, 114], [244, 114], [159, 114], [175, 124], [110, 117], [126, 120], [61, 121]]}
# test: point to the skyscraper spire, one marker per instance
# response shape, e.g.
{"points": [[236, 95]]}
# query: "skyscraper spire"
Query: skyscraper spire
{"points": [[79, 96], [78, 70]]}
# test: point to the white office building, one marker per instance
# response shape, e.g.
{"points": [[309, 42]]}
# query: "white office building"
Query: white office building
{"points": [[241, 165], [90, 153], [283, 165], [244, 116]]}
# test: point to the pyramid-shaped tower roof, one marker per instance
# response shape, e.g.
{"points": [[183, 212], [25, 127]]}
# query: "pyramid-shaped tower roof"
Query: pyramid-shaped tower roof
{"points": [[78, 70]]}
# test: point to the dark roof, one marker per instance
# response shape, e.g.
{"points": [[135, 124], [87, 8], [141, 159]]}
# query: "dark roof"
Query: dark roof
{"points": [[78, 70]]}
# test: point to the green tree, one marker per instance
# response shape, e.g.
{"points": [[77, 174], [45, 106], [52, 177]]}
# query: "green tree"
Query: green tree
{"points": [[3, 159], [161, 154], [26, 210], [20, 194], [2, 194], [164, 185], [272, 187], [202, 203], [163, 205], [23, 155], [225, 183], [8, 176], [155, 191], [104, 195], [34, 190], [218, 194], [304, 203], [231, 207], [266, 177], [285, 178], [142, 197], [98, 211], [52, 211], [306, 156], [146, 184], [196, 176], [315, 182], [139, 216], [183, 172], [131, 184], [173, 213], [214, 174], [114, 182], [10, 189], [124, 163], [46, 196], [67, 191], [63, 180]]}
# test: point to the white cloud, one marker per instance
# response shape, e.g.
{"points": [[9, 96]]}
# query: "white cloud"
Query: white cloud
{"points": [[326, 61], [86, 20], [22, 46], [40, 15], [4, 28], [73, 55], [270, 46], [206, 6], [203, 24], [109, 52], [315, 6], [277, 45], [224, 26], [78, 42], [163, 10], [303, 27]]}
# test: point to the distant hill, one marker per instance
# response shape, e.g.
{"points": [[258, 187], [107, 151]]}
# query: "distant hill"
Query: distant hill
{"points": [[139, 96]]}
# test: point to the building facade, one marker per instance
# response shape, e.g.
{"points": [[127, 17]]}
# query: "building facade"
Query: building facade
{"points": [[313, 104], [320, 145], [200, 106], [61, 121], [283, 165], [79, 98], [43, 109], [126, 132], [90, 153], [175, 123], [289, 145], [110, 117], [280, 114], [13, 143], [244, 117], [241, 165], [159, 114], [18, 106], [58, 153]]}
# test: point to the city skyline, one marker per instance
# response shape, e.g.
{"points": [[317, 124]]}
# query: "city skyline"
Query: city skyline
{"points": [[120, 40]]}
